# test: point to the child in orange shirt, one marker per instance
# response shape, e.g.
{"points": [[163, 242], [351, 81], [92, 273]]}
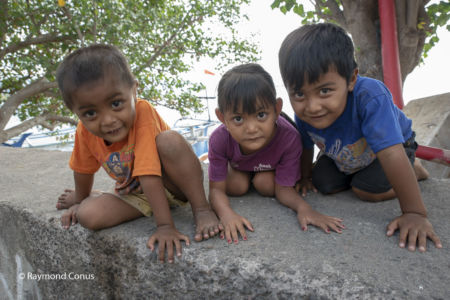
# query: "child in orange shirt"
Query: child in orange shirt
{"points": [[150, 163]]}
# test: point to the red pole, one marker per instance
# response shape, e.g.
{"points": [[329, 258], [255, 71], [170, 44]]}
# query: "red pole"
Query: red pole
{"points": [[389, 50], [392, 73], [441, 156]]}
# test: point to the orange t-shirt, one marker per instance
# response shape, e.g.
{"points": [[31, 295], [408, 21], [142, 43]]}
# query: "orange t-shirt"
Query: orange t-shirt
{"points": [[126, 160]]}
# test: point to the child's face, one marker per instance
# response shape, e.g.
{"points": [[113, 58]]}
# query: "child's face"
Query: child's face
{"points": [[320, 103], [252, 131], [106, 108]]}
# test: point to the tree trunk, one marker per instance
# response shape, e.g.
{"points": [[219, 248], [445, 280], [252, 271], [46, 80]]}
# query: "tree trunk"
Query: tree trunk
{"points": [[361, 20]]}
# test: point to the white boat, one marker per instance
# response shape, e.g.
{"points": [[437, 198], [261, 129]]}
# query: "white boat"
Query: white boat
{"points": [[195, 131]]}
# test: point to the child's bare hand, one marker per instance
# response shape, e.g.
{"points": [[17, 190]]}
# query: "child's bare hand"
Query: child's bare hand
{"points": [[233, 224], [305, 185], [206, 224], [310, 216], [167, 236], [416, 229], [69, 217]]}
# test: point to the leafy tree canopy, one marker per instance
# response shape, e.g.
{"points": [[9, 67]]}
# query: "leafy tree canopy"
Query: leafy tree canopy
{"points": [[161, 39]]}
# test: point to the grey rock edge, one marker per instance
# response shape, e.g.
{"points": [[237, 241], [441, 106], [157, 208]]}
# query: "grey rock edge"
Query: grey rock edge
{"points": [[41, 260]]}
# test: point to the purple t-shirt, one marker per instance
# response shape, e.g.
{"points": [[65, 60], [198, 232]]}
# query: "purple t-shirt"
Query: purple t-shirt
{"points": [[282, 154]]}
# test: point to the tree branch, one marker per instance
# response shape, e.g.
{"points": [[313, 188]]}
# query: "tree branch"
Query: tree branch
{"points": [[336, 12], [39, 120], [168, 42], [77, 29], [43, 39], [12, 102]]}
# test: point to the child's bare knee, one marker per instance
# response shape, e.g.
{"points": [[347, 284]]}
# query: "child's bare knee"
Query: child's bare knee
{"points": [[88, 219], [373, 197], [264, 184], [265, 189], [169, 142], [237, 188]]}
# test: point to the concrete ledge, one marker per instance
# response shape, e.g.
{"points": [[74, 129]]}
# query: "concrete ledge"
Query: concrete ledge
{"points": [[431, 122], [279, 261]]}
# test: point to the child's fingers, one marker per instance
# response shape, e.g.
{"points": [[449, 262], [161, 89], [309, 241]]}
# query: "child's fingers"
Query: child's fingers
{"points": [[151, 243], [74, 218], [402, 237], [234, 235], [412, 239], [321, 225], [303, 224], [65, 220], [304, 191], [248, 224], [422, 240], [242, 232], [169, 246], [228, 234], [161, 251], [335, 228], [437, 241], [185, 238], [178, 247], [392, 227]]}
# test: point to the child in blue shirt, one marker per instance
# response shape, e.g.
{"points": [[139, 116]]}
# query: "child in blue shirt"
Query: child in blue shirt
{"points": [[366, 143]]}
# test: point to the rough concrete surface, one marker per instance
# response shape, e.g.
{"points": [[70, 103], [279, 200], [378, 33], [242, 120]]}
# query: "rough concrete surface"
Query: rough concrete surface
{"points": [[431, 122], [41, 260]]}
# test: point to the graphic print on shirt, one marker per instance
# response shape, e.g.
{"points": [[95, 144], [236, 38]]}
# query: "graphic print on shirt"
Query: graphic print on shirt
{"points": [[119, 165], [262, 167], [350, 158]]}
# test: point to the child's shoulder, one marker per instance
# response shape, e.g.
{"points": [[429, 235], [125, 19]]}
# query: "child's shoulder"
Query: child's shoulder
{"points": [[286, 127], [367, 86]]}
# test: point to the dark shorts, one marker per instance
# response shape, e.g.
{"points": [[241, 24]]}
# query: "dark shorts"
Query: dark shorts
{"points": [[327, 178]]}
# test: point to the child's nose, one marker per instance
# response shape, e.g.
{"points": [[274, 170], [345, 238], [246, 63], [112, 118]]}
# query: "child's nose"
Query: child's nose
{"points": [[252, 126], [108, 119], [313, 105]]}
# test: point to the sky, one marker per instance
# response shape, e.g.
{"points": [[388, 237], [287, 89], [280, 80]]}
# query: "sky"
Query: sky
{"points": [[271, 27]]}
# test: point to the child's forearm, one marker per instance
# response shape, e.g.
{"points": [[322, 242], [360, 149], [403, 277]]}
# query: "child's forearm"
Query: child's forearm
{"points": [[306, 162], [290, 198], [154, 191], [83, 185], [219, 201], [401, 175]]}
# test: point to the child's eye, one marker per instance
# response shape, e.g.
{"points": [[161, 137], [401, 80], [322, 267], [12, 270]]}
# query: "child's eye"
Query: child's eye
{"points": [[90, 114], [261, 115], [116, 104], [299, 96], [324, 91], [238, 119]]}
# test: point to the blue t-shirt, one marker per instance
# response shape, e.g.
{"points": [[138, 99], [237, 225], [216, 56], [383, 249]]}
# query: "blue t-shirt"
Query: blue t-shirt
{"points": [[370, 122]]}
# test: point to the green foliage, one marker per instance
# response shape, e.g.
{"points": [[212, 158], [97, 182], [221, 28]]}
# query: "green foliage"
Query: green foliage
{"points": [[161, 39], [438, 13]]}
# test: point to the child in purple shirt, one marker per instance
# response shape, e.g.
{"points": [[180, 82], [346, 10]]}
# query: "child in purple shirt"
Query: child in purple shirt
{"points": [[254, 145]]}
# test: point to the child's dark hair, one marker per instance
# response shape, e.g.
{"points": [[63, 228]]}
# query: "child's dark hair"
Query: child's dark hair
{"points": [[243, 85], [90, 64], [311, 50]]}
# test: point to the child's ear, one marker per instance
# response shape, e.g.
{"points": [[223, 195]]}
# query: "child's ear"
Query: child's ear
{"points": [[278, 106], [219, 115], [352, 82]]}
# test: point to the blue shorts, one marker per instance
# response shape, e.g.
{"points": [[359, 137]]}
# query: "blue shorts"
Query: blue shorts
{"points": [[327, 178]]}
